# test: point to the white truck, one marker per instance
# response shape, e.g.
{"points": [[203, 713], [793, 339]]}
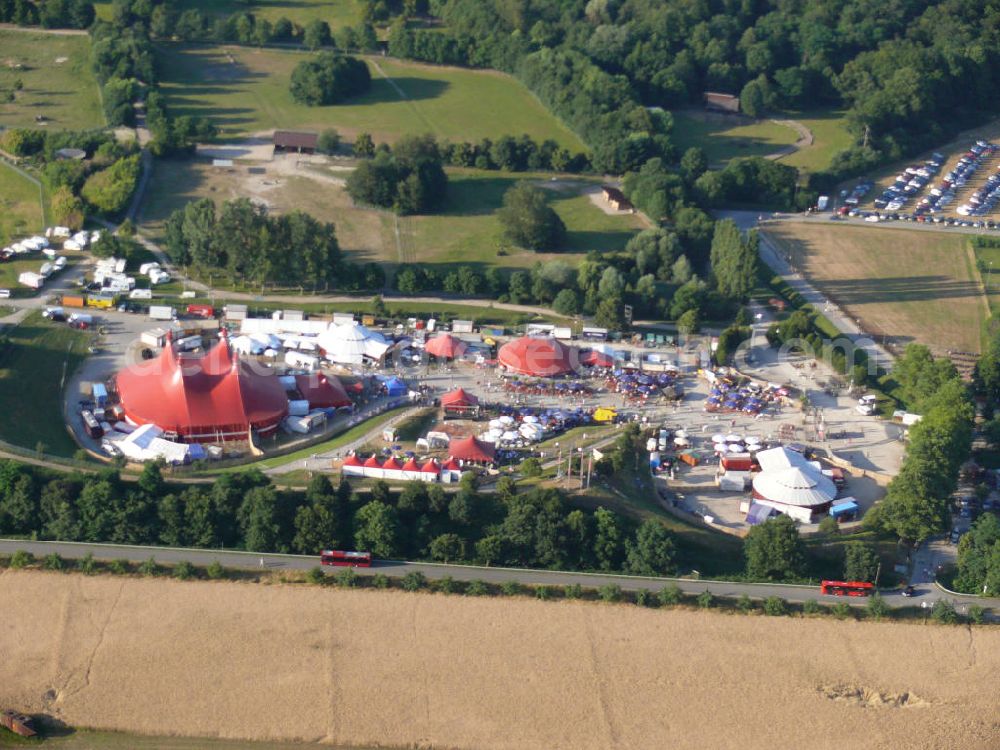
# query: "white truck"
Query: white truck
{"points": [[162, 312]]}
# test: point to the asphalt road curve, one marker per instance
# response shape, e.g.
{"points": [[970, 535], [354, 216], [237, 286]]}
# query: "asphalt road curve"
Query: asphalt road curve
{"points": [[254, 560]]}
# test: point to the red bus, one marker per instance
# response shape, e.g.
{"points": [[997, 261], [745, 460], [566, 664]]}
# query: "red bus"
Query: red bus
{"points": [[346, 559], [846, 588]]}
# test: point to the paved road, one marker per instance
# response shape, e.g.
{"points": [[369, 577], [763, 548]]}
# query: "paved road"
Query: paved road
{"points": [[254, 561], [848, 326]]}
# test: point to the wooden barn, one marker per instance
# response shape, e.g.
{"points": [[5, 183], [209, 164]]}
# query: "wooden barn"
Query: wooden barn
{"points": [[296, 142]]}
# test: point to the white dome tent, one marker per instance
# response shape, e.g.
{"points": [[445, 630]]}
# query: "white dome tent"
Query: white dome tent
{"points": [[792, 485], [352, 344]]}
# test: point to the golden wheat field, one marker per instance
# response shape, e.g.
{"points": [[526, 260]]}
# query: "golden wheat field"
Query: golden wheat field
{"points": [[249, 661]]}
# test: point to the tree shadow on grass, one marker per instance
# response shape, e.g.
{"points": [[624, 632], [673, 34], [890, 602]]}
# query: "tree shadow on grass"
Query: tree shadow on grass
{"points": [[415, 89], [899, 289], [583, 241]]}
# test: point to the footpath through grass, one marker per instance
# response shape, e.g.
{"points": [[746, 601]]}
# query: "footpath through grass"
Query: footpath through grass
{"points": [[35, 366], [58, 82]]}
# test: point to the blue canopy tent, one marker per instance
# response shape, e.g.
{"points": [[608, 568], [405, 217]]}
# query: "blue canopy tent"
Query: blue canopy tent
{"points": [[395, 387]]}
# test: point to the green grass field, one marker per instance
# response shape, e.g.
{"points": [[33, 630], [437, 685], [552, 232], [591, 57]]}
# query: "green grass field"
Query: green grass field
{"points": [[20, 207], [724, 137], [58, 82], [830, 135], [337, 13], [468, 231], [248, 93], [40, 358]]}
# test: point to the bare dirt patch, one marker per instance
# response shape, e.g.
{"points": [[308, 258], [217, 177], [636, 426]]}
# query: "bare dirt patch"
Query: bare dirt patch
{"points": [[418, 670]]}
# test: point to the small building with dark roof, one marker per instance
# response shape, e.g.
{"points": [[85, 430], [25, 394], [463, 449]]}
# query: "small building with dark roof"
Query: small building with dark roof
{"points": [[294, 141], [616, 198], [721, 102]]}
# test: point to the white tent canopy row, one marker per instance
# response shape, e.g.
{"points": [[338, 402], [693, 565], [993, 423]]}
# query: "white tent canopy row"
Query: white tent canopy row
{"points": [[346, 343], [146, 444]]}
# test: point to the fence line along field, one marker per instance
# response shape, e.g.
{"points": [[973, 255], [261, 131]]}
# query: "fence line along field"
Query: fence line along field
{"points": [[246, 90], [56, 79], [903, 285], [366, 667]]}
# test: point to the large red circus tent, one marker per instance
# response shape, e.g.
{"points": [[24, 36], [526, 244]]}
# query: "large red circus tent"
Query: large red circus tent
{"points": [[205, 398], [472, 449], [537, 356], [459, 400], [445, 346]]}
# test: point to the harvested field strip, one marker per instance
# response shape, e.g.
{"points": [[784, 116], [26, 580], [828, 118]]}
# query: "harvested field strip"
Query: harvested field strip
{"points": [[338, 666], [903, 285]]}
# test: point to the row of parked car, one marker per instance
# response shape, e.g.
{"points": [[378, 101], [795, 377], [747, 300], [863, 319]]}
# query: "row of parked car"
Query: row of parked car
{"points": [[878, 216], [909, 183]]}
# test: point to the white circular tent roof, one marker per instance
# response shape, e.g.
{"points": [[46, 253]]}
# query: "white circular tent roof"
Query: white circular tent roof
{"points": [[798, 485], [350, 343]]}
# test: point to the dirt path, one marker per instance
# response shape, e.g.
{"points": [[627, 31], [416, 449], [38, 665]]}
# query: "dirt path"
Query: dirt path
{"points": [[805, 139]]}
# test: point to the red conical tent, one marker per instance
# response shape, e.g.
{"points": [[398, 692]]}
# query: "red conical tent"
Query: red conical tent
{"points": [[472, 449], [352, 460], [594, 358], [372, 462], [391, 464], [458, 397], [202, 398], [451, 465], [540, 357], [411, 465], [445, 346], [431, 467]]}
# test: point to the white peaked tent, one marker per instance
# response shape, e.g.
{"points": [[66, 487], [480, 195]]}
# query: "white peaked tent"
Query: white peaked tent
{"points": [[351, 344]]}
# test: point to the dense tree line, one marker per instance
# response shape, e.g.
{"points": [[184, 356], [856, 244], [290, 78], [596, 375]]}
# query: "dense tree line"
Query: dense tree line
{"points": [[535, 528], [50, 14], [979, 557], [242, 240], [513, 154], [329, 79], [753, 181], [917, 500], [408, 178]]}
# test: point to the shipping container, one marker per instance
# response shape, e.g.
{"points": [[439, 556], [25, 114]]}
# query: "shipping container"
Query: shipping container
{"points": [[162, 312], [90, 424], [235, 312], [31, 280], [461, 326], [102, 300], [74, 300]]}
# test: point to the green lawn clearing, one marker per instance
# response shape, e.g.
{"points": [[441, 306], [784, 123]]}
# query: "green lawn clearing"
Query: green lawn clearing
{"points": [[57, 79], [245, 90], [337, 13], [468, 231], [725, 137], [34, 368], [20, 208], [830, 135]]}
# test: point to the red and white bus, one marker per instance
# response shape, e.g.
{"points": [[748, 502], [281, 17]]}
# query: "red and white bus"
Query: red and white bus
{"points": [[846, 588], [346, 559]]}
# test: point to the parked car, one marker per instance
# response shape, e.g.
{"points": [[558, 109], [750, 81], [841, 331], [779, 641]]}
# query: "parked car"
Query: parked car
{"points": [[909, 591]]}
